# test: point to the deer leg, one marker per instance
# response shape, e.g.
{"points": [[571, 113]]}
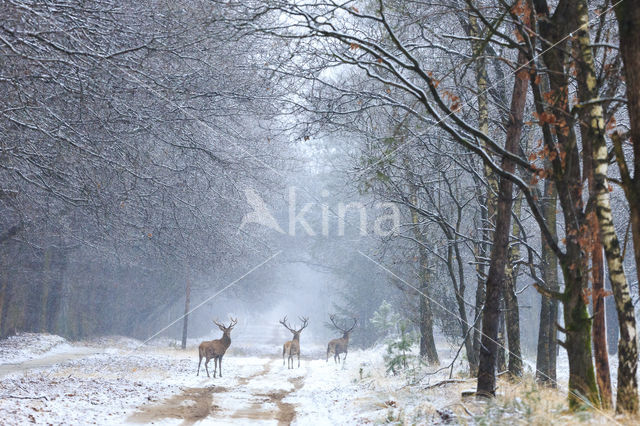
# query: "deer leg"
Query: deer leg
{"points": [[298, 359], [335, 356], [206, 366], [215, 366], [283, 353], [220, 362], [199, 365], [345, 356], [327, 353]]}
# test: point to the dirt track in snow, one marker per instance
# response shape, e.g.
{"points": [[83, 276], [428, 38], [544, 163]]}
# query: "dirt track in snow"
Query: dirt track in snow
{"points": [[259, 404], [191, 405]]}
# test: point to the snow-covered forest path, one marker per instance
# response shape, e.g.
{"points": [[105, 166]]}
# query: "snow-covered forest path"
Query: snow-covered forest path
{"points": [[117, 381]]}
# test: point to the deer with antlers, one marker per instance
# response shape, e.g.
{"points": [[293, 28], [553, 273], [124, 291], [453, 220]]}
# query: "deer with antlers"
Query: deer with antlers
{"points": [[216, 348], [292, 347], [341, 345]]}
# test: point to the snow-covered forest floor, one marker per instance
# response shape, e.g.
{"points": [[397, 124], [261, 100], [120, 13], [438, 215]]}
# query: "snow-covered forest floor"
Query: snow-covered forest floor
{"points": [[45, 379]]}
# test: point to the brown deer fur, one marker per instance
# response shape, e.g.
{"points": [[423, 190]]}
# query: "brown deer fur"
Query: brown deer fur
{"points": [[292, 347], [216, 348], [341, 345]]}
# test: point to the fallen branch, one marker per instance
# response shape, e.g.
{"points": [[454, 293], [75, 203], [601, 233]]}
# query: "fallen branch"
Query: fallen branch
{"points": [[446, 382], [25, 397]]}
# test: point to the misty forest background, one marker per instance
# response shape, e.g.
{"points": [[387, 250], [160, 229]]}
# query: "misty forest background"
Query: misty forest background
{"points": [[507, 133]]}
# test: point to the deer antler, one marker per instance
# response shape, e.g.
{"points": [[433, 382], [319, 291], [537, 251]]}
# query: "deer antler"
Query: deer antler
{"points": [[220, 326], [333, 321], [355, 322], [233, 323], [305, 322], [283, 321], [344, 330]]}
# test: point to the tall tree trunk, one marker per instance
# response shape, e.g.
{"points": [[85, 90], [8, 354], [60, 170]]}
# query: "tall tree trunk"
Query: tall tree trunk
{"points": [[46, 278], [512, 313], [600, 352], [627, 396], [547, 347], [187, 301], [628, 16], [480, 293], [613, 334], [4, 296], [564, 157], [453, 256], [427, 342], [491, 178], [500, 249], [501, 359]]}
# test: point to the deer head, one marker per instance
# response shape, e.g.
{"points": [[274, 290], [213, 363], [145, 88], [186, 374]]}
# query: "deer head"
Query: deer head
{"points": [[226, 331], [296, 333], [345, 331]]}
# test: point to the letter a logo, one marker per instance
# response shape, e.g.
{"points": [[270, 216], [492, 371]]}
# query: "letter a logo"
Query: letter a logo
{"points": [[260, 214]]}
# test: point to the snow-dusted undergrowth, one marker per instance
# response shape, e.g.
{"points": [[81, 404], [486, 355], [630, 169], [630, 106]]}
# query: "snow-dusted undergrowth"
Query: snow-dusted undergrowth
{"points": [[25, 346]]}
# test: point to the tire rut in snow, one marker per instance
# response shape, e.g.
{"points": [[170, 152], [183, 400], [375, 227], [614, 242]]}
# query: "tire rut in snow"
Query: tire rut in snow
{"points": [[191, 405], [286, 412], [265, 370]]}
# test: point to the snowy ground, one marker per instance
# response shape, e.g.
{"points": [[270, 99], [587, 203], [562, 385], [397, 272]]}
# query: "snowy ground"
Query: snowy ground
{"points": [[114, 381]]}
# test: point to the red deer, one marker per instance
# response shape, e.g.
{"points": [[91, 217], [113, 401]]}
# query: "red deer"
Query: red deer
{"points": [[292, 347], [341, 345], [216, 348]]}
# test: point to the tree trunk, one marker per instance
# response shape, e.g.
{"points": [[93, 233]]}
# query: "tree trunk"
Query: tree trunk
{"points": [[600, 352], [564, 156], [500, 249], [627, 396], [547, 346], [187, 301], [4, 296], [512, 313], [491, 198], [459, 295], [628, 16], [613, 333], [427, 342], [480, 295], [501, 359], [46, 278]]}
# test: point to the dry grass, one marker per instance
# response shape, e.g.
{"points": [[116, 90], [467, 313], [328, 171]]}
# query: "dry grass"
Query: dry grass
{"points": [[526, 402]]}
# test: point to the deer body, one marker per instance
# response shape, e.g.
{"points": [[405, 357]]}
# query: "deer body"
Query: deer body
{"points": [[341, 345], [338, 346], [215, 349], [292, 347]]}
